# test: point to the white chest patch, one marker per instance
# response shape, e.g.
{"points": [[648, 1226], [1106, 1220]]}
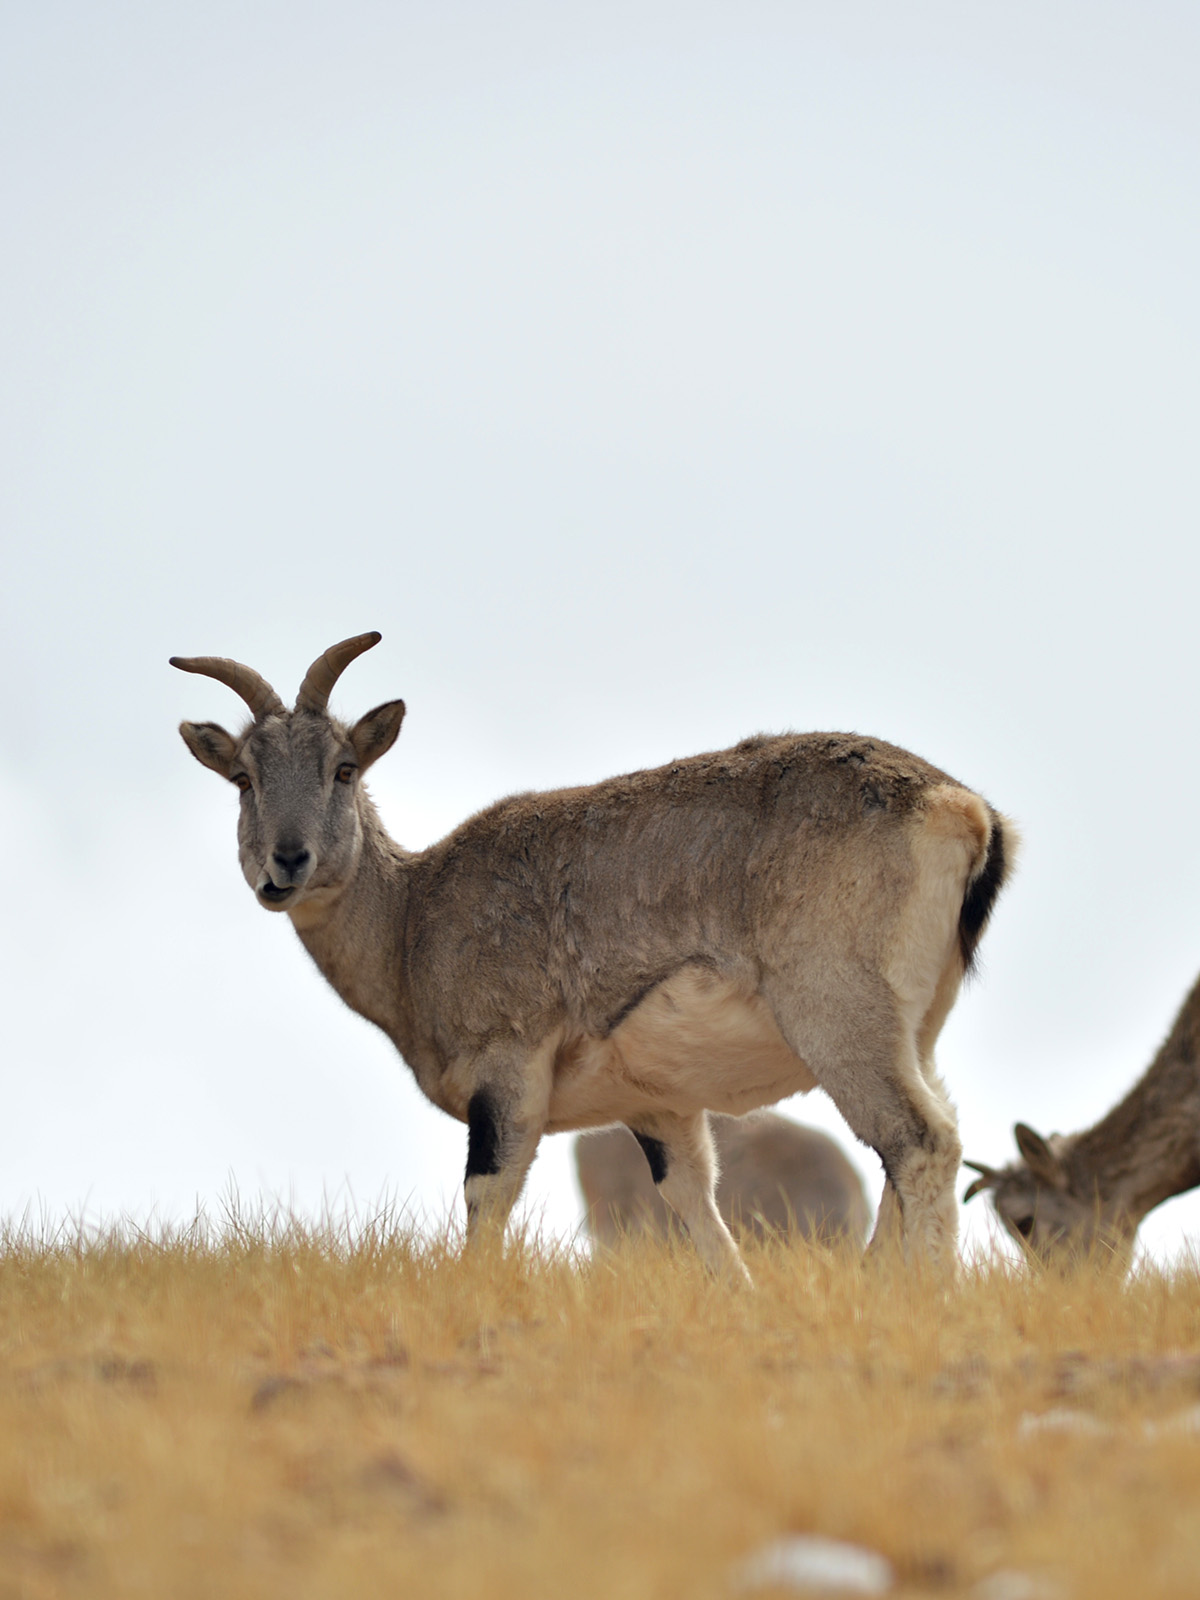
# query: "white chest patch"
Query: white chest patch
{"points": [[697, 1042]]}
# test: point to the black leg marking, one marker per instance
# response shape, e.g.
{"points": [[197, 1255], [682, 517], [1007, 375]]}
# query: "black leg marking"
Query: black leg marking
{"points": [[483, 1135], [655, 1152]]}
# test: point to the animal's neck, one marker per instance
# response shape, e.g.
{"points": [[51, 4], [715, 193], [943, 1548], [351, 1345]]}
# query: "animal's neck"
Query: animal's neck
{"points": [[1148, 1147], [358, 938]]}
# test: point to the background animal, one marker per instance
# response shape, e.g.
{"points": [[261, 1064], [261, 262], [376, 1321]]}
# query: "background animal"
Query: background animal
{"points": [[774, 1176], [714, 934], [1072, 1192]]}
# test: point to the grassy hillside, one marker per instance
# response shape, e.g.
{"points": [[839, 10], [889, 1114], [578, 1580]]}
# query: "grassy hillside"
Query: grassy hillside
{"points": [[271, 1411]]}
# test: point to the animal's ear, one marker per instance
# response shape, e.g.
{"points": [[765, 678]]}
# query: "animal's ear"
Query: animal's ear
{"points": [[1039, 1158], [210, 744], [375, 734]]}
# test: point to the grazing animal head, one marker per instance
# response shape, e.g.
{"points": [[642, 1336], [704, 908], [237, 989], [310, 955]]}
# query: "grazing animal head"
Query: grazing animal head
{"points": [[302, 807], [1054, 1213]]}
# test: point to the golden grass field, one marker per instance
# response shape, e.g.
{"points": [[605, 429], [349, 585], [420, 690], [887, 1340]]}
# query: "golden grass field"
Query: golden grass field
{"points": [[275, 1409]]}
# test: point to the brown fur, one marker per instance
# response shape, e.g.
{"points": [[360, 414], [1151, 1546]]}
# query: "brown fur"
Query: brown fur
{"points": [[1075, 1192], [712, 934], [775, 1178]]}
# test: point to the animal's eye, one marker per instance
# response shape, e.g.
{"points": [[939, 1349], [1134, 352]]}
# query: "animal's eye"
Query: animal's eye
{"points": [[345, 773], [243, 782], [1024, 1226]]}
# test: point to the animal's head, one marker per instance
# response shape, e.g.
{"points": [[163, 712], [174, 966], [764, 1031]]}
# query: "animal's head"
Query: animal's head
{"points": [[1045, 1206], [299, 772]]}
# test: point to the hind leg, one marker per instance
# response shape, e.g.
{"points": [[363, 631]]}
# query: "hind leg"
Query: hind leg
{"points": [[914, 1132], [939, 1108], [680, 1152], [875, 1075], [888, 1234]]}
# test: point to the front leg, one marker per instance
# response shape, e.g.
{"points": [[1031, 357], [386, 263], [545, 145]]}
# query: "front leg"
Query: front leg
{"points": [[500, 1151], [506, 1117], [680, 1152]]}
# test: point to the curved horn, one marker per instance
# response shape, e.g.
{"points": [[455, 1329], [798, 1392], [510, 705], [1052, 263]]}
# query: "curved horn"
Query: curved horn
{"points": [[252, 686], [986, 1180], [328, 668]]}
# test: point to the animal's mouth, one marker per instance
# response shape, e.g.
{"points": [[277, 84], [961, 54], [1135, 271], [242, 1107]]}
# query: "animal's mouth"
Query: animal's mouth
{"points": [[272, 895]]}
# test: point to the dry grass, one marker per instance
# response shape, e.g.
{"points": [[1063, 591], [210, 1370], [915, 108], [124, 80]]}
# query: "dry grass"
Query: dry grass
{"points": [[275, 1410]]}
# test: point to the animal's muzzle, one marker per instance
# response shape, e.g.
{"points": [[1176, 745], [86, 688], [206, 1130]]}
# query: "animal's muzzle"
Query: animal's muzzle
{"points": [[290, 866], [289, 869]]}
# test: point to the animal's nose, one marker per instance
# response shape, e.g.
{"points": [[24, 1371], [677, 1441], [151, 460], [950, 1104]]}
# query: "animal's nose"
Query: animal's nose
{"points": [[290, 859]]}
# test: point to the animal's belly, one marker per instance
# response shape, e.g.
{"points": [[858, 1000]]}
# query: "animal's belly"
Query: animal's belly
{"points": [[695, 1043]]}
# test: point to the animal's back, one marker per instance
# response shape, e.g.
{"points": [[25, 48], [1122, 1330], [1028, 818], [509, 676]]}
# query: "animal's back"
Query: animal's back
{"points": [[585, 898]]}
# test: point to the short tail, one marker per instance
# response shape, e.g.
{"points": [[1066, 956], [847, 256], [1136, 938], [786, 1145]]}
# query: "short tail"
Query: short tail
{"points": [[984, 887]]}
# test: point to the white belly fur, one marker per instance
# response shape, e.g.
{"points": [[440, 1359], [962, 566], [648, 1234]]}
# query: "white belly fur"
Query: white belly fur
{"points": [[697, 1042]]}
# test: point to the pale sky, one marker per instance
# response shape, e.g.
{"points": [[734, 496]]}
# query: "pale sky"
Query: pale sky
{"points": [[649, 374]]}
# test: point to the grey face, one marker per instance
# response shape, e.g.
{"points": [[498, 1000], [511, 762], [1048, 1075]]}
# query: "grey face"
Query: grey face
{"points": [[301, 824], [1048, 1222], [1038, 1200], [299, 830]]}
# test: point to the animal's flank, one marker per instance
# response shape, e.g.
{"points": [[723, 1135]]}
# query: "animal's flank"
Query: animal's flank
{"points": [[627, 1007]]}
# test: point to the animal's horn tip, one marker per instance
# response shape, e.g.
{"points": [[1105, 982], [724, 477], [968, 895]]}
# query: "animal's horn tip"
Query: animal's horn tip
{"points": [[328, 668], [977, 1166]]}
